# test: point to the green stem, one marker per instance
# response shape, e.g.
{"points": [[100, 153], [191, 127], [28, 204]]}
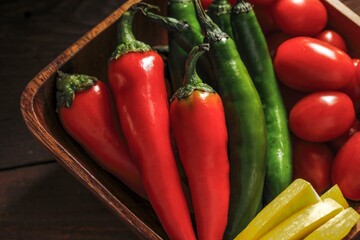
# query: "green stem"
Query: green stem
{"points": [[192, 80], [68, 84], [171, 24], [177, 30], [219, 11], [222, 7], [191, 76], [124, 27], [127, 40], [242, 7], [212, 31]]}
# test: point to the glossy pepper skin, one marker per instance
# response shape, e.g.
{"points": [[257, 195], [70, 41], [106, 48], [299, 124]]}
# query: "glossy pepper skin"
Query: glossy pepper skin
{"points": [[87, 112], [136, 77], [199, 127], [246, 126], [253, 49]]}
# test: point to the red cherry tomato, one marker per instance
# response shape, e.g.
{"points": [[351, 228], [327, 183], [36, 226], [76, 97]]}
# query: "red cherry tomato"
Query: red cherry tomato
{"points": [[333, 38], [346, 168], [322, 116], [309, 64], [353, 87], [337, 143], [312, 162], [300, 17]]}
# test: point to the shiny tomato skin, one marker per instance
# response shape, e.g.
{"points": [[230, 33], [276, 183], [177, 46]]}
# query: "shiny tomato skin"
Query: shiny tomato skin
{"points": [[312, 162], [309, 64], [346, 168], [322, 116], [333, 38], [300, 17]]}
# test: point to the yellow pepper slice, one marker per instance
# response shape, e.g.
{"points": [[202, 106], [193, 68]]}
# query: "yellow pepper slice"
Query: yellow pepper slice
{"points": [[337, 227], [305, 221], [298, 195], [335, 193]]}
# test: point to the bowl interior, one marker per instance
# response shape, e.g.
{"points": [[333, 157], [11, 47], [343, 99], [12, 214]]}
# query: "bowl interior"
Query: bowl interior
{"points": [[89, 55]]}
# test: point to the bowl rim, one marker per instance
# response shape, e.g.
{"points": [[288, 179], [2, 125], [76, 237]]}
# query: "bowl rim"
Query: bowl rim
{"points": [[27, 107]]}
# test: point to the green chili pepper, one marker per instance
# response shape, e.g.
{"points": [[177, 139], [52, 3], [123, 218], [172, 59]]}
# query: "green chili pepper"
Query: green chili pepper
{"points": [[184, 30], [219, 12], [184, 10], [245, 122], [253, 49]]}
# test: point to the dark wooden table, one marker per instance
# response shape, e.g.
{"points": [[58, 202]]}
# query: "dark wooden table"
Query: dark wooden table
{"points": [[38, 198]]}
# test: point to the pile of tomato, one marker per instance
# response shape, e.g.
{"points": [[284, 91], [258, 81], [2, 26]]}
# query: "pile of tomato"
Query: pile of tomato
{"points": [[320, 84]]}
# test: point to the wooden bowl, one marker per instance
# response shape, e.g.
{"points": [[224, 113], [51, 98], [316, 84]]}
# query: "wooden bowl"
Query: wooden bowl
{"points": [[89, 55]]}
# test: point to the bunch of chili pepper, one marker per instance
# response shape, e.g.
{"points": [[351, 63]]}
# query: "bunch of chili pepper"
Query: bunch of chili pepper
{"points": [[136, 77], [259, 144], [87, 112], [228, 144]]}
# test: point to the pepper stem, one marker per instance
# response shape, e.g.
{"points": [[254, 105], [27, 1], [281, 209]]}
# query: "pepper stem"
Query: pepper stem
{"points": [[124, 27], [191, 76], [242, 7], [171, 24], [220, 7], [126, 38], [68, 84], [192, 80], [212, 31]]}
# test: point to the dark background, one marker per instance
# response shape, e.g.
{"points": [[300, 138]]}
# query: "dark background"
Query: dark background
{"points": [[38, 198]]}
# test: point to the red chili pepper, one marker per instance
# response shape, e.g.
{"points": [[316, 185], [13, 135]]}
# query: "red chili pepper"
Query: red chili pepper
{"points": [[87, 112], [199, 127], [136, 77]]}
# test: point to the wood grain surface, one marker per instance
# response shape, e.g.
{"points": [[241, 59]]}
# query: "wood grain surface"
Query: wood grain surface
{"points": [[38, 198]]}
